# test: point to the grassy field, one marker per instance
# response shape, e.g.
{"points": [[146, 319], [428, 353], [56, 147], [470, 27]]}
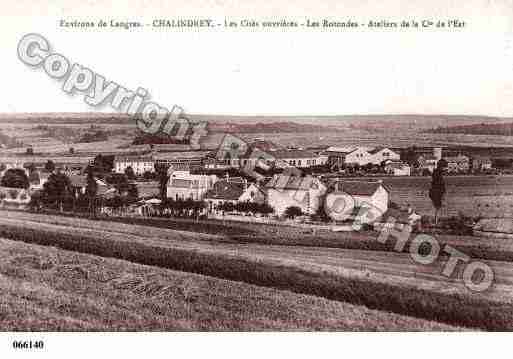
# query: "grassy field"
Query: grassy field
{"points": [[45, 288], [495, 249], [379, 280], [463, 192]]}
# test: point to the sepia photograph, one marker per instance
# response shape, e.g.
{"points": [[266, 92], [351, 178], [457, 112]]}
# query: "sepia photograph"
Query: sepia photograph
{"points": [[227, 168]]}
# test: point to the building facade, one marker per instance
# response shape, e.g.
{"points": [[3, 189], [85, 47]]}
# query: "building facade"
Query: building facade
{"points": [[140, 164], [284, 191], [184, 185]]}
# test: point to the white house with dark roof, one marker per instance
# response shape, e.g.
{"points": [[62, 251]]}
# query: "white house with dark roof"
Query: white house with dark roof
{"points": [[184, 185], [456, 164], [140, 164], [360, 156], [397, 168], [383, 154], [348, 197], [284, 191], [233, 191]]}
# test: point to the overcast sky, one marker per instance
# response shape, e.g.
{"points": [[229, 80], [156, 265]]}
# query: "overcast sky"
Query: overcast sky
{"points": [[467, 71]]}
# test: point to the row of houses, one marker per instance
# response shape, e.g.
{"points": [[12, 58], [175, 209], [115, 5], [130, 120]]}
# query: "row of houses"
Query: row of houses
{"points": [[361, 156], [458, 163], [280, 192], [141, 164], [275, 157]]}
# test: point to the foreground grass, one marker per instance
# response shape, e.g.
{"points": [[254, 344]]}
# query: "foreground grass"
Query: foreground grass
{"points": [[45, 288], [384, 281]]}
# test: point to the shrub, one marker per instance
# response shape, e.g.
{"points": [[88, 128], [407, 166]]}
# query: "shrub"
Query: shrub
{"points": [[292, 212]]}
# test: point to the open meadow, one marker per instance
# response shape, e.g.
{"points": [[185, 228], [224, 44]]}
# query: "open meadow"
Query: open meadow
{"points": [[380, 280], [462, 192], [48, 289]]}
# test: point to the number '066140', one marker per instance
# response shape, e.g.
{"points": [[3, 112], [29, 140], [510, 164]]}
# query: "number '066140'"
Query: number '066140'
{"points": [[27, 344]]}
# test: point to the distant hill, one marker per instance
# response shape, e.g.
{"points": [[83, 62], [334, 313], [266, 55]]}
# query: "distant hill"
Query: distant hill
{"points": [[378, 123], [497, 129], [268, 127]]}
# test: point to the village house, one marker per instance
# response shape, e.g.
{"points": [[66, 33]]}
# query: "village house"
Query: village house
{"points": [[481, 163], [379, 155], [429, 161], [337, 156], [79, 185], [297, 158], [233, 190], [37, 179], [140, 164], [181, 161], [350, 198], [184, 185], [236, 153], [401, 218], [457, 164], [283, 191], [397, 168], [14, 197], [361, 156]]}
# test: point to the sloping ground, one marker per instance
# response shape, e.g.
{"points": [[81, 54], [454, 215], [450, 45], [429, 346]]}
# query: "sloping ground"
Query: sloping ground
{"points": [[491, 249], [44, 288], [381, 280]]}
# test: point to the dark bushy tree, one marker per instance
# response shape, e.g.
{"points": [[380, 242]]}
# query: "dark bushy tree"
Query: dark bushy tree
{"points": [[16, 178], [91, 190], [292, 212], [129, 172], [161, 171], [437, 190], [57, 189], [120, 182], [50, 166]]}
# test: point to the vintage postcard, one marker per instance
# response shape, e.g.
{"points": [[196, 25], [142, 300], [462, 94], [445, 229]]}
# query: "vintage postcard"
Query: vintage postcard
{"points": [[228, 166]]}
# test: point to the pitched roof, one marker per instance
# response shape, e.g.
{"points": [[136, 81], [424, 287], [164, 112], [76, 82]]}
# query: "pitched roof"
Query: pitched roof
{"points": [[375, 150], [133, 158], [264, 145], [357, 188], [282, 182], [181, 155], [481, 159], [280, 154], [456, 158], [378, 149], [225, 190], [180, 183]]}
